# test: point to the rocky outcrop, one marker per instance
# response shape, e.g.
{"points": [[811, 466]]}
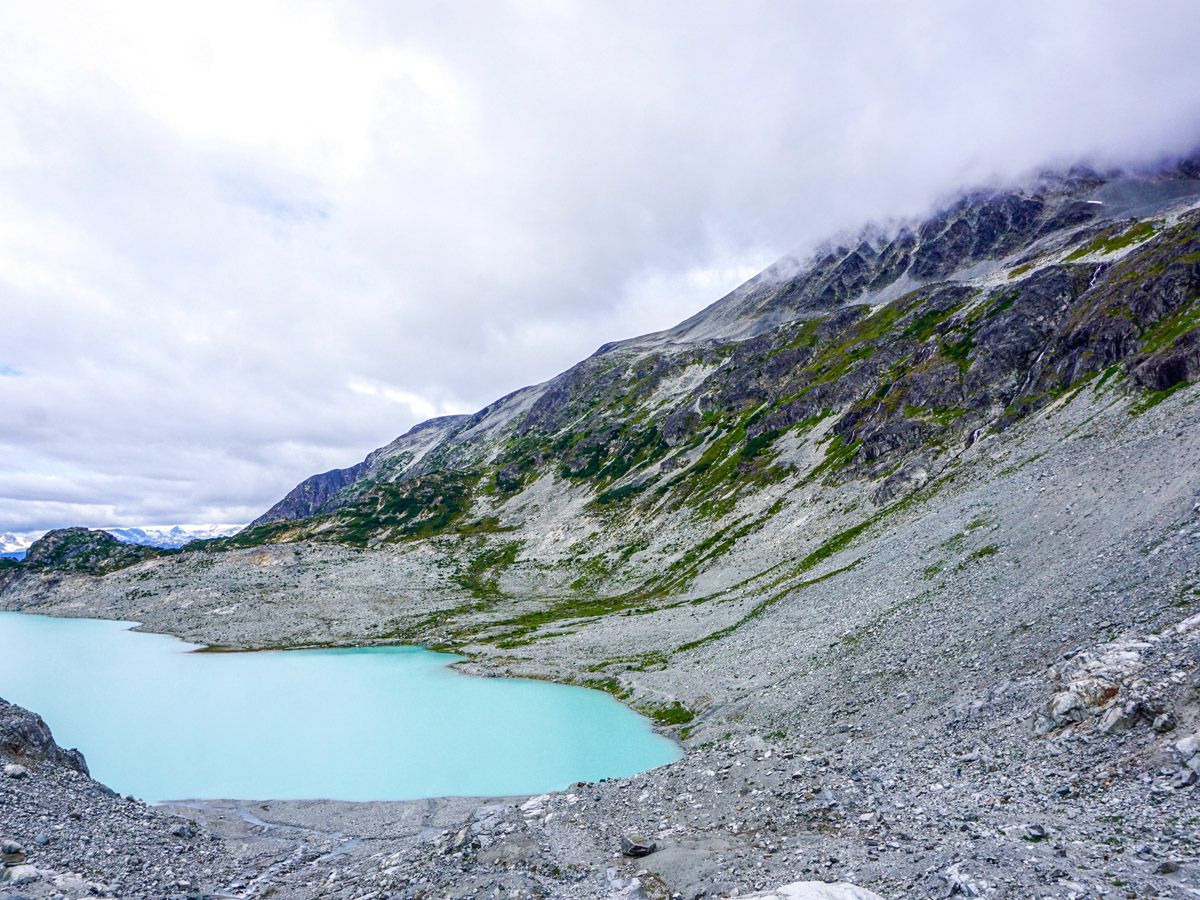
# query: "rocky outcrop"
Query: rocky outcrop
{"points": [[25, 739], [84, 551], [329, 490], [64, 835], [312, 495]]}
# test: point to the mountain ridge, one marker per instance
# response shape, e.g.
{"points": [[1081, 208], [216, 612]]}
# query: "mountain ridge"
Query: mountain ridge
{"points": [[956, 251]]}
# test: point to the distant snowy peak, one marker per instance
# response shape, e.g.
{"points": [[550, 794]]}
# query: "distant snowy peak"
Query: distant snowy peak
{"points": [[173, 537], [14, 543]]}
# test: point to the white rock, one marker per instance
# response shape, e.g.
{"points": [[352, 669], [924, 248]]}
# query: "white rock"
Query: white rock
{"points": [[816, 890], [1188, 747], [74, 885], [12, 770], [1187, 626], [16, 875]]}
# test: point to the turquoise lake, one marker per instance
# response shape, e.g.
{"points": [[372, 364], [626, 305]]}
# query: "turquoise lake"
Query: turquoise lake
{"points": [[382, 723]]}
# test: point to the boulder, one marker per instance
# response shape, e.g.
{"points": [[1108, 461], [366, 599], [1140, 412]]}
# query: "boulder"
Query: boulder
{"points": [[637, 845], [1164, 723], [186, 830], [1187, 747], [19, 875], [1118, 718]]}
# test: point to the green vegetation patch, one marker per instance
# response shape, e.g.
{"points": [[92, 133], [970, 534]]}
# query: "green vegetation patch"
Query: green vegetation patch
{"points": [[481, 576], [1168, 329], [1108, 242], [669, 714], [1151, 399]]}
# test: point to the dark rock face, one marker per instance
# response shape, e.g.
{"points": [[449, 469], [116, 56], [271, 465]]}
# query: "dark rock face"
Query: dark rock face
{"points": [[335, 488], [26, 739], [312, 494]]}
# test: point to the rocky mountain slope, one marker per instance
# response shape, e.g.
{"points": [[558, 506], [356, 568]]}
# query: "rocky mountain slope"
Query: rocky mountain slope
{"points": [[900, 541], [877, 362]]}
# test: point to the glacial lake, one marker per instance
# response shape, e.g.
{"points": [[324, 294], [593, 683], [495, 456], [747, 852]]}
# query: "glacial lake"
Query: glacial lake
{"points": [[382, 723]]}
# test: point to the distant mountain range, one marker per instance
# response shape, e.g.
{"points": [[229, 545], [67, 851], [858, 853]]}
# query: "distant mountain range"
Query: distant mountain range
{"points": [[14, 545], [173, 537]]}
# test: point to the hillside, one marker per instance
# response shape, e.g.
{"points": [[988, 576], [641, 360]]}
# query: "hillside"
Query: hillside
{"points": [[900, 540]]}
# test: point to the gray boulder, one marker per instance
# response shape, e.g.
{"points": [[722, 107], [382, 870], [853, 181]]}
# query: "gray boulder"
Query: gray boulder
{"points": [[637, 845]]}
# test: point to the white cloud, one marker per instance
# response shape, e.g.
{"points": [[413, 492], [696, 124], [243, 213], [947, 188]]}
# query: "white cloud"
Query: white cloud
{"points": [[243, 242]]}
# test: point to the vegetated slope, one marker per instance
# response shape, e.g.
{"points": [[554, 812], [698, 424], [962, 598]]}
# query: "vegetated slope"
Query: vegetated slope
{"points": [[894, 351], [875, 363]]}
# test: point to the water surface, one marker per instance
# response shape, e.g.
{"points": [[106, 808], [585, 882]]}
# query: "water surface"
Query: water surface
{"points": [[381, 723]]}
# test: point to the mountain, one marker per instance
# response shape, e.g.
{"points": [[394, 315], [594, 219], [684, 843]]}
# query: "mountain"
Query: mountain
{"points": [[81, 550], [900, 540], [172, 537], [878, 360]]}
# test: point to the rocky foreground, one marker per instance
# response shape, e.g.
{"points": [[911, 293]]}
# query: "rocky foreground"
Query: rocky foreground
{"points": [[1109, 807]]}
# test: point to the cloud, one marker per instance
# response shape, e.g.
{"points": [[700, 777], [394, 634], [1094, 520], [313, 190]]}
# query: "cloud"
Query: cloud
{"points": [[244, 242]]}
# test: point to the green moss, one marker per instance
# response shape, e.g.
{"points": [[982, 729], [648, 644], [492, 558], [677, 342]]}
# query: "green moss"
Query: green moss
{"points": [[838, 455], [1108, 374], [753, 447], [482, 574], [1168, 329], [671, 714], [485, 525], [1108, 242], [959, 351], [1151, 399], [759, 608], [624, 492], [942, 416], [923, 327], [1019, 271], [609, 685]]}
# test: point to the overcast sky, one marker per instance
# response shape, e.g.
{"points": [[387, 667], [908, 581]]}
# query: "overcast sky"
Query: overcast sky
{"points": [[242, 242]]}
